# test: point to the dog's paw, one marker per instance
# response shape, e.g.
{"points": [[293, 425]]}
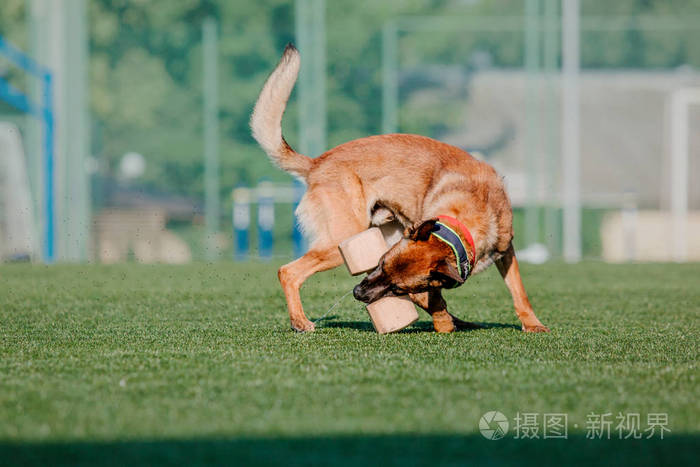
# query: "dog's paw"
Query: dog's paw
{"points": [[303, 326], [444, 328], [535, 328], [443, 323]]}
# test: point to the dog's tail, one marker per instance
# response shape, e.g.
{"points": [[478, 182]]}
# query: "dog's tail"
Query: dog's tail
{"points": [[266, 121]]}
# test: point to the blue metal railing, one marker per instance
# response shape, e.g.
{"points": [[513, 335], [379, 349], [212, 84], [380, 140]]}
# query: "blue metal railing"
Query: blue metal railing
{"points": [[43, 112]]}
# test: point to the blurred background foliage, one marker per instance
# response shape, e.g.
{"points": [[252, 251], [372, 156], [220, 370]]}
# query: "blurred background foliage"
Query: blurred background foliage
{"points": [[146, 71]]}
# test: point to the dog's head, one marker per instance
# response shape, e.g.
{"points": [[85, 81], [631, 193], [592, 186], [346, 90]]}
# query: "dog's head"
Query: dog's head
{"points": [[418, 263]]}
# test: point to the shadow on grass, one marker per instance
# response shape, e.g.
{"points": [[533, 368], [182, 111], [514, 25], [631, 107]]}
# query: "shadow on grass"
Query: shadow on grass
{"points": [[420, 326], [354, 450]]}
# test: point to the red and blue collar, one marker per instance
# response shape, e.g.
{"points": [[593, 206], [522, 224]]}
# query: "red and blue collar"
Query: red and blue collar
{"points": [[446, 229]]}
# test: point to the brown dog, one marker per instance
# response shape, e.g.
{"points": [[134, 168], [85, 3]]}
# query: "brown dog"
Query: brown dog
{"points": [[374, 180]]}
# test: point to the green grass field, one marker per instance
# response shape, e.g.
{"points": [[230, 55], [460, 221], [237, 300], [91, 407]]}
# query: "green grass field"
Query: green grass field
{"points": [[196, 365]]}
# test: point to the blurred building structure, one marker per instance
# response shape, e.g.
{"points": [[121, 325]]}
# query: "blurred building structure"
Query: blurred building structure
{"points": [[174, 83], [624, 135]]}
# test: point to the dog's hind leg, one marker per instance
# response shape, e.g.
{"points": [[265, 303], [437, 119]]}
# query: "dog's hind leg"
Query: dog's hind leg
{"points": [[293, 275], [330, 217], [435, 305], [508, 267]]}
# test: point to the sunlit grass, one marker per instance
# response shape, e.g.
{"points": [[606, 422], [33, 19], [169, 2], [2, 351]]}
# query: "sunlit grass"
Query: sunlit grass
{"points": [[129, 353]]}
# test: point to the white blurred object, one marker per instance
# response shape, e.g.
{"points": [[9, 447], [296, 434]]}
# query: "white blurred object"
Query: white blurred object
{"points": [[536, 254], [648, 238], [16, 211], [166, 247], [132, 165], [680, 102], [141, 231], [570, 129]]}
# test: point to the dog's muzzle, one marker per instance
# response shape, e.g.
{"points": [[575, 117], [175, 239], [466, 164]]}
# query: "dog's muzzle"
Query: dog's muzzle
{"points": [[359, 293], [371, 288]]}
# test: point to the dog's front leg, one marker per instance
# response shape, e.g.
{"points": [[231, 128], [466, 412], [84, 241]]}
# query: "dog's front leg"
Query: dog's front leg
{"points": [[435, 305], [293, 275], [508, 267]]}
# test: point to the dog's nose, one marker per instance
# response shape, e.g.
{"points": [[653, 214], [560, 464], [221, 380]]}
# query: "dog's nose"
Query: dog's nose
{"points": [[357, 292]]}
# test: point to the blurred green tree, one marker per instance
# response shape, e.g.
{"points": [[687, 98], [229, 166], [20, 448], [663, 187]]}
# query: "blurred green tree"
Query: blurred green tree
{"points": [[146, 70]]}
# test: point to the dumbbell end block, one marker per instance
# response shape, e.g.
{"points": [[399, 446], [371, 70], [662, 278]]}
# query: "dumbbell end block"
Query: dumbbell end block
{"points": [[363, 251], [391, 313]]}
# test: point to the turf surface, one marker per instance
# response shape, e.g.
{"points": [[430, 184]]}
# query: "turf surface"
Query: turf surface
{"points": [[194, 365]]}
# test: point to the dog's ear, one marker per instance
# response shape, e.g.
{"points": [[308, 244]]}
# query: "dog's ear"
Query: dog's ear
{"points": [[447, 273], [421, 232]]}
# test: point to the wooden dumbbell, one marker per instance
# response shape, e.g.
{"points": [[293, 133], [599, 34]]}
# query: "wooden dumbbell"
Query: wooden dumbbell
{"points": [[362, 253], [390, 313]]}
